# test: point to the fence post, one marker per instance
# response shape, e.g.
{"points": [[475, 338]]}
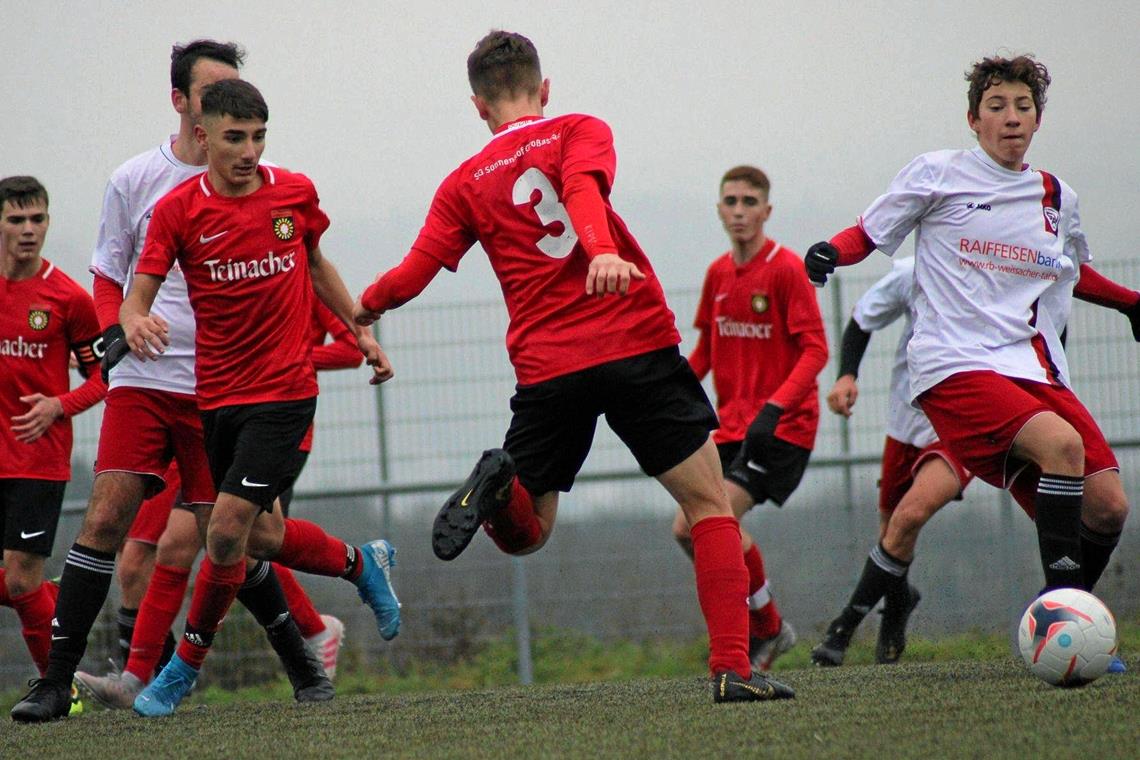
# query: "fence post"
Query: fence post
{"points": [[837, 325], [382, 451], [522, 622]]}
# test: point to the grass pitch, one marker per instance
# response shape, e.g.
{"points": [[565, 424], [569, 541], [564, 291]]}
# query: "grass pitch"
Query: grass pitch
{"points": [[984, 709]]}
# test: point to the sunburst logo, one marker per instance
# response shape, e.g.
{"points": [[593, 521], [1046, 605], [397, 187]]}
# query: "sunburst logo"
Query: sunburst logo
{"points": [[283, 227], [759, 303], [38, 319]]}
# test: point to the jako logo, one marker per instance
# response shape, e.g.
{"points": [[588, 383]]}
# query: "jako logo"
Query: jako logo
{"points": [[267, 266], [979, 206]]}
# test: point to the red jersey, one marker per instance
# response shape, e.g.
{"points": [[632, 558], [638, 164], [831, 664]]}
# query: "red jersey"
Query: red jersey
{"points": [[508, 199], [42, 320], [246, 266], [753, 321]]}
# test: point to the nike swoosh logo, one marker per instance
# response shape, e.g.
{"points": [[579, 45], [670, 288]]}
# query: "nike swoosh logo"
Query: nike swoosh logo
{"points": [[250, 484], [206, 239], [57, 638], [720, 296], [465, 498], [758, 468], [32, 535]]}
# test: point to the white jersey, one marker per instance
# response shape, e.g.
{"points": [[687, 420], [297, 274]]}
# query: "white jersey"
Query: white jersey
{"points": [[132, 192], [888, 299], [991, 243]]}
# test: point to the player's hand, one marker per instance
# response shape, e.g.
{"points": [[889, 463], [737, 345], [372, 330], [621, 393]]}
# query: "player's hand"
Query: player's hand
{"points": [[114, 349], [33, 423], [375, 357], [1133, 314], [760, 435], [820, 261], [363, 316], [843, 395], [147, 336], [610, 273]]}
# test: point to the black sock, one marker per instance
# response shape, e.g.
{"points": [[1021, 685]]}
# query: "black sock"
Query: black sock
{"points": [[883, 575], [126, 622], [352, 563], [261, 594], [167, 652], [1058, 504], [82, 590], [1096, 548]]}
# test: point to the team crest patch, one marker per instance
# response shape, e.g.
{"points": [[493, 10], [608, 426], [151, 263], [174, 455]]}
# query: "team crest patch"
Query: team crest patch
{"points": [[38, 318], [283, 227], [759, 303]]}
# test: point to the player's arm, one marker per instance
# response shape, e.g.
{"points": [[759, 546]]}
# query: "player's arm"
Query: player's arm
{"points": [[147, 336], [340, 352], [330, 288], [608, 272], [108, 303], [847, 247], [701, 357], [1095, 288], [397, 286], [852, 347]]}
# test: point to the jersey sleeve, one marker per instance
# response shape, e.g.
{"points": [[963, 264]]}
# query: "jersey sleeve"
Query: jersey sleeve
{"points": [[115, 243], [588, 147], [703, 319], [446, 235], [802, 308], [316, 221], [892, 216], [1076, 245], [886, 300], [83, 338], [161, 247]]}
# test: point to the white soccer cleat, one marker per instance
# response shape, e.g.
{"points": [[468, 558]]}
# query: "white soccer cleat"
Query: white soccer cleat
{"points": [[326, 644]]}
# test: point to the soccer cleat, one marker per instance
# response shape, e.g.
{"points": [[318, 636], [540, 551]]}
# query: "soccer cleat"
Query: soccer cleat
{"points": [[1116, 665], [76, 703], [729, 687], [485, 492], [375, 586], [115, 691], [304, 669], [46, 701], [829, 653], [326, 644], [892, 629], [167, 690], [763, 652]]}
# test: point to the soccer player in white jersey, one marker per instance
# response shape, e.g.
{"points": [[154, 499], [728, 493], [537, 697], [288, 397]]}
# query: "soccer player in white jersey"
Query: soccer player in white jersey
{"points": [[994, 239]]}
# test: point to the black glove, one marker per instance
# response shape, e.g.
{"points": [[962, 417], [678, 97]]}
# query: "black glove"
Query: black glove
{"points": [[760, 435], [820, 261], [1133, 314], [114, 349]]}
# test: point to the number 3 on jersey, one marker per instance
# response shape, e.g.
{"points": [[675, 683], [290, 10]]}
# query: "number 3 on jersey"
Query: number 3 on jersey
{"points": [[549, 210]]}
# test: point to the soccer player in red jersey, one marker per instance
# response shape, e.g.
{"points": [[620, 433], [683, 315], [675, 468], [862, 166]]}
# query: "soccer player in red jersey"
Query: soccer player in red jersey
{"points": [[999, 254], [246, 237], [590, 334], [761, 336], [45, 317]]}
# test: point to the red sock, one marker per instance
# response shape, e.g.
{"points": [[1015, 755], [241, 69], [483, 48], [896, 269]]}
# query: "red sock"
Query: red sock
{"points": [[300, 605], [516, 527], [763, 616], [35, 609], [215, 588], [306, 547], [722, 588], [159, 608]]}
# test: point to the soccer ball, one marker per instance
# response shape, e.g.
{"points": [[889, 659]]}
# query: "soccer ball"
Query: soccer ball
{"points": [[1067, 637]]}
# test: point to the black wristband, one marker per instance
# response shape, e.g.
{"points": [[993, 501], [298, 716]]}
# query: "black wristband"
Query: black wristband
{"points": [[852, 348]]}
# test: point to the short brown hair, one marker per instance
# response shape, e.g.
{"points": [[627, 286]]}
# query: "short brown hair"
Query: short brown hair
{"points": [[990, 71], [234, 97], [22, 190], [503, 64], [749, 174], [183, 58]]}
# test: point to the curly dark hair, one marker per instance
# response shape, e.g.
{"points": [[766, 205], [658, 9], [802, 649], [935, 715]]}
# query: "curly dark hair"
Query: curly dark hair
{"points": [[503, 64], [183, 58], [990, 71]]}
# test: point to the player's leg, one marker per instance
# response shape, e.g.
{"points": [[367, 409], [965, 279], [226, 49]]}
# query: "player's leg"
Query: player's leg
{"points": [[1104, 512], [33, 601]]}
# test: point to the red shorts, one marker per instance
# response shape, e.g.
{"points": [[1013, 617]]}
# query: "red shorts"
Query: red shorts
{"points": [[150, 521], [143, 430], [978, 415], [901, 462]]}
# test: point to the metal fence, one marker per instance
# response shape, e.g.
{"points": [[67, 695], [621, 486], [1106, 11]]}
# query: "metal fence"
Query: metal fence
{"points": [[384, 459]]}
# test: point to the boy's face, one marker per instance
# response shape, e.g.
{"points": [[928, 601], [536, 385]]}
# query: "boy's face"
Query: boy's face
{"points": [[743, 208], [1006, 121], [233, 150], [22, 230]]}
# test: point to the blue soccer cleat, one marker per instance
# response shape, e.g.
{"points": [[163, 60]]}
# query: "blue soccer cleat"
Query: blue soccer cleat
{"points": [[167, 689], [1116, 665], [375, 586]]}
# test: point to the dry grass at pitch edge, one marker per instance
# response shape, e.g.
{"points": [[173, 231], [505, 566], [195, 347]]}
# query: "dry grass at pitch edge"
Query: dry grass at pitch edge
{"points": [[989, 709]]}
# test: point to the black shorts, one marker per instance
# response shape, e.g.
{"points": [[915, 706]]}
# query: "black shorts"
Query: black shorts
{"points": [[653, 402], [254, 449], [783, 464], [286, 496], [29, 511]]}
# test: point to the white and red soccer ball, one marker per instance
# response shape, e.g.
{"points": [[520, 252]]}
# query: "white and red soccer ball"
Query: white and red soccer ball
{"points": [[1067, 637]]}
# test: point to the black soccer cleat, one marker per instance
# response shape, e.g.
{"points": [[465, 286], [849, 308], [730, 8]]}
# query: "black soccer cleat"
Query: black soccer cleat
{"points": [[830, 652], [892, 629], [729, 687], [46, 701], [486, 491], [305, 671]]}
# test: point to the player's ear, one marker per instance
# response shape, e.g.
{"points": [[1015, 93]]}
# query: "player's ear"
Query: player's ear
{"points": [[971, 121], [200, 135], [544, 92], [481, 107], [179, 100]]}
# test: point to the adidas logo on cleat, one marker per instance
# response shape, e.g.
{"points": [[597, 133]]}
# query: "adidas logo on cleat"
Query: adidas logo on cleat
{"points": [[1064, 564]]}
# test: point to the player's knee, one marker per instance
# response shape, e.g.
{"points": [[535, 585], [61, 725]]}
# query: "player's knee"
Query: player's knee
{"points": [[1106, 512], [19, 583]]}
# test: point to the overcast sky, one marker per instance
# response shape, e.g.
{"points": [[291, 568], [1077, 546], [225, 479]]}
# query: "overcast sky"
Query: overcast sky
{"points": [[371, 101]]}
